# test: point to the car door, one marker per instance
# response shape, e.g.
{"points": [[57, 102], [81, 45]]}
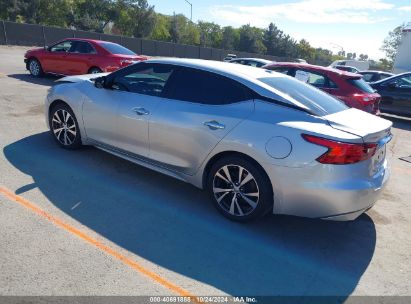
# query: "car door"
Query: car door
{"points": [[396, 95], [54, 60], [201, 108], [140, 92], [79, 57]]}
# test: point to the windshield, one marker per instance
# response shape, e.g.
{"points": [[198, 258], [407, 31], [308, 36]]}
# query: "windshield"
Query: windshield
{"points": [[360, 83], [318, 102], [114, 48]]}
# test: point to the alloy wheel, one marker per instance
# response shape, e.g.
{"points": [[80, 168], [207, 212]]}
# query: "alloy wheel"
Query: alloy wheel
{"points": [[64, 127], [236, 190], [34, 68]]}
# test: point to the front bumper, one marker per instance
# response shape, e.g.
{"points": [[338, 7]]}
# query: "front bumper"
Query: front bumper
{"points": [[327, 191]]}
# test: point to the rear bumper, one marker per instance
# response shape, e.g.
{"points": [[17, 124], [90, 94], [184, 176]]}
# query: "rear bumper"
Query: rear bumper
{"points": [[327, 192], [26, 62]]}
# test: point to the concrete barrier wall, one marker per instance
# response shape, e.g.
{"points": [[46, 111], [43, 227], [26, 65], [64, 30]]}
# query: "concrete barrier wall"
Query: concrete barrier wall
{"points": [[38, 35]]}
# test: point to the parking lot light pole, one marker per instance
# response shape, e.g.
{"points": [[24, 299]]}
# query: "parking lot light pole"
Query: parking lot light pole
{"points": [[191, 10]]}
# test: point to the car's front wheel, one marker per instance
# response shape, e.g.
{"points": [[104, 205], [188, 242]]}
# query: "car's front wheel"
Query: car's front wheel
{"points": [[239, 188], [64, 127], [35, 68], [95, 70]]}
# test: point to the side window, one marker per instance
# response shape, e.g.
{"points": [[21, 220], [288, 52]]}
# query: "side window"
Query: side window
{"points": [[146, 79], [383, 76], [207, 88], [252, 63], [404, 82], [367, 77], [82, 47], [62, 46], [315, 79]]}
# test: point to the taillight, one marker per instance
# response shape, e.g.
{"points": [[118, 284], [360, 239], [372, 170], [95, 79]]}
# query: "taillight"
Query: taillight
{"points": [[340, 153], [364, 99], [126, 62]]}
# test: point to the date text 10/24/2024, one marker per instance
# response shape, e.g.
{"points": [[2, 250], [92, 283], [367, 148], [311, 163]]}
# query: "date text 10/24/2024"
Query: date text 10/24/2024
{"points": [[202, 299]]}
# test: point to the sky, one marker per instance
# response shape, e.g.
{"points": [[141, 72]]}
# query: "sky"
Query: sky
{"points": [[352, 25]]}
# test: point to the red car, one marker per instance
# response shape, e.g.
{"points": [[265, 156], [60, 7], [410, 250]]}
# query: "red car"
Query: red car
{"points": [[348, 87], [76, 56]]}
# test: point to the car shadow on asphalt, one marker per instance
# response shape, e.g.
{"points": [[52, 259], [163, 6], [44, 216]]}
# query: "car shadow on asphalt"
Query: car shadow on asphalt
{"points": [[173, 225], [46, 80]]}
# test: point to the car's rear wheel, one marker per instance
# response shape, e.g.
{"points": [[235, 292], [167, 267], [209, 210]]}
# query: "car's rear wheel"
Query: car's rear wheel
{"points": [[35, 67], [239, 188], [64, 127], [95, 70]]}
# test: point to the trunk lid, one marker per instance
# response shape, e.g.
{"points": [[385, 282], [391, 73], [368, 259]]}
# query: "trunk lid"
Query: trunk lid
{"points": [[371, 128]]}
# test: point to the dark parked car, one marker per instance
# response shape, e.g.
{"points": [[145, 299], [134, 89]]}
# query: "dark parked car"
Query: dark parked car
{"points": [[373, 76], [395, 94], [346, 68]]}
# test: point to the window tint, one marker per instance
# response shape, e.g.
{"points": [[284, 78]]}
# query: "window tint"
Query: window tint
{"points": [[403, 82], [61, 47], [359, 83], [367, 77], [147, 79], [115, 48], [82, 47], [318, 102], [207, 88], [317, 80]]}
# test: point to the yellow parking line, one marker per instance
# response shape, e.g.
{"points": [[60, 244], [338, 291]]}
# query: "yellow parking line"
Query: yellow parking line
{"points": [[133, 264]]}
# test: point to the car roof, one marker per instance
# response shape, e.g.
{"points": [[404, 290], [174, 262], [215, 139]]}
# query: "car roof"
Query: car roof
{"points": [[393, 76], [87, 40], [255, 59], [219, 67], [313, 67], [375, 72]]}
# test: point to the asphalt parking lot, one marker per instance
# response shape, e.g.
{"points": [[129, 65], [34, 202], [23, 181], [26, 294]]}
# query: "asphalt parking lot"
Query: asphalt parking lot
{"points": [[87, 223]]}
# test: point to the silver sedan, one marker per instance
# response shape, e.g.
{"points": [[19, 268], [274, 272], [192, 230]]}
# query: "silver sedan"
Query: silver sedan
{"points": [[255, 140]]}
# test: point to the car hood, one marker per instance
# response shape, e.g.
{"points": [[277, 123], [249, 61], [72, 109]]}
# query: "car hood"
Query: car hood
{"points": [[370, 127], [78, 78]]}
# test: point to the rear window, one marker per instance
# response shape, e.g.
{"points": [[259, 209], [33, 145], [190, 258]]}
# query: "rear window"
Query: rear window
{"points": [[114, 48], [317, 101], [359, 83]]}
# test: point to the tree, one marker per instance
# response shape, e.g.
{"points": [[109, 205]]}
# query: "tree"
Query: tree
{"points": [[391, 43], [272, 38], [135, 17], [251, 40], [210, 34], [363, 57], [230, 39], [161, 28], [91, 15], [305, 50]]}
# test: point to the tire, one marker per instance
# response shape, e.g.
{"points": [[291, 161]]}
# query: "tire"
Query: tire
{"points": [[243, 201], [95, 70], [64, 127], [35, 68]]}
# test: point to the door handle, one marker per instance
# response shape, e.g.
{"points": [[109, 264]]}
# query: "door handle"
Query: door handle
{"points": [[141, 111], [214, 125]]}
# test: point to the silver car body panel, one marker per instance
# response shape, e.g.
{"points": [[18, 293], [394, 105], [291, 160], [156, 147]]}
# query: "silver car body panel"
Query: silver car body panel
{"points": [[173, 139]]}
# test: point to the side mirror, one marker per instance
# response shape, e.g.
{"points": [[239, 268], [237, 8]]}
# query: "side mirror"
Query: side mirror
{"points": [[100, 82]]}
